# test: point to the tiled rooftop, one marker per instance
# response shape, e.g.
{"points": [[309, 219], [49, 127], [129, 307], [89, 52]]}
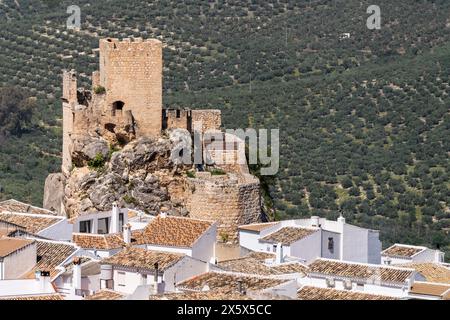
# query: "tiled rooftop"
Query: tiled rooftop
{"points": [[401, 251], [433, 272], [143, 259], [106, 294], [257, 227], [17, 206], [7, 232], [98, 241], [11, 245], [288, 235], [431, 289], [51, 255], [36, 297], [228, 283], [31, 223], [253, 263], [194, 295], [172, 231], [314, 293], [360, 271]]}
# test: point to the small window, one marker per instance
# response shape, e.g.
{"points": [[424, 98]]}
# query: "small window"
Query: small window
{"points": [[331, 244], [85, 226], [274, 249], [103, 226], [178, 114], [360, 287], [121, 221], [117, 107], [121, 279], [330, 283], [268, 248]]}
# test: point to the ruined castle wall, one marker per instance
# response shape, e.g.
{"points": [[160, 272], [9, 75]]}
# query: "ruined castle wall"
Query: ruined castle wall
{"points": [[69, 101], [229, 201], [177, 119], [131, 72], [210, 119]]}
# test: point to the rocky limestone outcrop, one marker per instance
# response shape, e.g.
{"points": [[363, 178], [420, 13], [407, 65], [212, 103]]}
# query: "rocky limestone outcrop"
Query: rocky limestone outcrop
{"points": [[86, 148], [54, 192], [144, 175]]}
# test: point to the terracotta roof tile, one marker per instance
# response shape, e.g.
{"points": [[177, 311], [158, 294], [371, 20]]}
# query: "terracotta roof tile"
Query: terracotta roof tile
{"points": [[106, 294], [172, 231], [212, 295], [401, 251], [360, 271], [143, 259], [433, 272], [31, 223], [51, 255], [314, 293], [37, 297], [288, 235], [11, 245], [257, 227], [228, 283], [17, 206], [254, 264], [98, 241], [431, 289]]}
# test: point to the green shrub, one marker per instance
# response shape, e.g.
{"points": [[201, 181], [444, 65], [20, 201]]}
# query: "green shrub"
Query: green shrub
{"points": [[217, 172], [190, 174], [99, 90], [130, 200], [98, 162]]}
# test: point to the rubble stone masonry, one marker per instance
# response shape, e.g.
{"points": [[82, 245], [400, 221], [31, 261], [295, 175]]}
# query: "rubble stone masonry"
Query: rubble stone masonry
{"points": [[231, 200]]}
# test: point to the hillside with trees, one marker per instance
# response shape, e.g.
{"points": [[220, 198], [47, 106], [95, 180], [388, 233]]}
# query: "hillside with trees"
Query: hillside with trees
{"points": [[364, 121]]}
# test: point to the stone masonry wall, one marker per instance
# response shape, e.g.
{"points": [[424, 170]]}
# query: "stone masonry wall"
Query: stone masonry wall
{"points": [[131, 72], [229, 200], [210, 119]]}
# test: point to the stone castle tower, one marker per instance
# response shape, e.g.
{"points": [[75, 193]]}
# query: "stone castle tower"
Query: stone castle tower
{"points": [[126, 99], [131, 73], [125, 103]]}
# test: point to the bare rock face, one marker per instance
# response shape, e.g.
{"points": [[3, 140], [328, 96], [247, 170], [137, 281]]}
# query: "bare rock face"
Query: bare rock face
{"points": [[141, 176], [54, 192], [86, 148]]}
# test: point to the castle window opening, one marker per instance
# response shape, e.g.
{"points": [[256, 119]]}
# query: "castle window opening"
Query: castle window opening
{"points": [[117, 107], [110, 127], [178, 114]]}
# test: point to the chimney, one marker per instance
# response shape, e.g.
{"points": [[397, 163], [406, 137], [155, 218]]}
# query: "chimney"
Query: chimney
{"points": [[241, 287], [163, 212], [341, 219], [127, 234], [341, 223], [279, 254], [115, 218], [76, 276], [315, 221], [44, 280], [106, 276]]}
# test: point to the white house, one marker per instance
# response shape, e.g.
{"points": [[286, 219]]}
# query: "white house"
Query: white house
{"points": [[80, 276], [313, 238], [402, 253], [99, 245], [361, 277], [17, 257], [140, 272], [430, 291], [192, 237], [41, 225]]}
